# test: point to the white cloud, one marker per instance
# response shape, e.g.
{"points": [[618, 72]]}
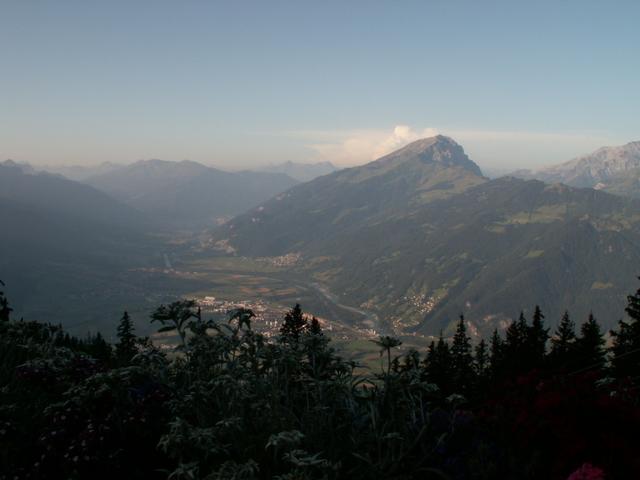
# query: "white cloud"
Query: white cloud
{"points": [[355, 147], [503, 149], [402, 135]]}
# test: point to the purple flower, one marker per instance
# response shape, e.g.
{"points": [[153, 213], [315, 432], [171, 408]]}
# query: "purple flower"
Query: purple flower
{"points": [[587, 472]]}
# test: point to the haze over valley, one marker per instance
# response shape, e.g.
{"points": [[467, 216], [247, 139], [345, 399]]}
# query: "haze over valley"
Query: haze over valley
{"points": [[319, 240], [401, 245]]}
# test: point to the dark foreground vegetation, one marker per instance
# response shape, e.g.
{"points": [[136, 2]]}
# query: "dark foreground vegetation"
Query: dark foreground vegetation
{"points": [[231, 404]]}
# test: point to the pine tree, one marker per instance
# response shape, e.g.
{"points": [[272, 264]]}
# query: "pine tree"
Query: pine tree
{"points": [[496, 354], [517, 335], [626, 342], [439, 364], [99, 348], [293, 326], [126, 347], [563, 342], [589, 346], [537, 337], [481, 359], [5, 310], [625, 349], [429, 360], [461, 358], [316, 347], [515, 347], [315, 328]]}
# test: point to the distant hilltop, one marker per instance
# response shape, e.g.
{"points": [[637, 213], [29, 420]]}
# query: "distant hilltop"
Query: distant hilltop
{"points": [[303, 172]]}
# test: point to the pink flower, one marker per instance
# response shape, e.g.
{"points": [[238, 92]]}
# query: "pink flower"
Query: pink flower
{"points": [[587, 472]]}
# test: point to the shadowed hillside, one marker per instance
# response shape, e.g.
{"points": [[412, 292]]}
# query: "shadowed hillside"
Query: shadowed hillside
{"points": [[420, 236], [188, 193]]}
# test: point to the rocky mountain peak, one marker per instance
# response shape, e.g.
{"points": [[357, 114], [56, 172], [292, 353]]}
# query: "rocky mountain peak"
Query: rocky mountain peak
{"points": [[433, 150]]}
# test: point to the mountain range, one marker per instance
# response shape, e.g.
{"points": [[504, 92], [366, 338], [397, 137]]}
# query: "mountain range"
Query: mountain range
{"points": [[303, 172], [188, 193], [79, 251], [611, 169], [80, 172], [416, 237], [420, 236], [65, 247]]}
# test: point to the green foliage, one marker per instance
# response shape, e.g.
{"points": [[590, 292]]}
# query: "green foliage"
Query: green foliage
{"points": [[589, 347], [482, 360], [462, 358], [233, 404], [5, 310], [126, 348], [386, 343], [294, 325], [626, 340], [438, 366], [563, 342], [537, 337], [176, 317]]}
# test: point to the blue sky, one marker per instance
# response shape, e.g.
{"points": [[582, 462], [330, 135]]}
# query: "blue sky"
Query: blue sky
{"points": [[239, 83]]}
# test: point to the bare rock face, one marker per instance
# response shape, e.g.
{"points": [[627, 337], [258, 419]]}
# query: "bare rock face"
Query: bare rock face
{"points": [[605, 169]]}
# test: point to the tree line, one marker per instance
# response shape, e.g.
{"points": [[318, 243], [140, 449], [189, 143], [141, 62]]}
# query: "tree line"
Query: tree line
{"points": [[229, 403]]}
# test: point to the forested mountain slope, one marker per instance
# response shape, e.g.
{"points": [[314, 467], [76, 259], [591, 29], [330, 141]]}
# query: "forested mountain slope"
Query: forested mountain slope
{"points": [[420, 236]]}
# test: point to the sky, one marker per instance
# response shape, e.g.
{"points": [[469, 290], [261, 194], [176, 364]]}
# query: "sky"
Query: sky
{"points": [[241, 83]]}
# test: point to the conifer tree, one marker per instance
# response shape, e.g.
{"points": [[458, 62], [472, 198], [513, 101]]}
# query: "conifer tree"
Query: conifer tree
{"points": [[461, 357], [5, 310], [633, 306], [293, 326], [126, 346], [481, 359], [517, 335], [496, 354], [537, 337], [315, 328], [98, 348], [515, 351], [563, 342], [316, 347], [590, 345], [439, 364], [429, 360], [625, 349], [626, 342]]}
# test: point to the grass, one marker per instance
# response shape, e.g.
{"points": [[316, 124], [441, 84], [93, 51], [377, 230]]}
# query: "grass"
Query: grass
{"points": [[544, 214]]}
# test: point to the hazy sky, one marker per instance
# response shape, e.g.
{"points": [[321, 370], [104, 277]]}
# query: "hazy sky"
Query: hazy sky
{"points": [[237, 83]]}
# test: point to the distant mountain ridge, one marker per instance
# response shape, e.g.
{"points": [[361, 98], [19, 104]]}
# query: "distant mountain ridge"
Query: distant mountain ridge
{"points": [[188, 192], [22, 184], [171, 194], [420, 236], [61, 242], [80, 172], [612, 169], [303, 172]]}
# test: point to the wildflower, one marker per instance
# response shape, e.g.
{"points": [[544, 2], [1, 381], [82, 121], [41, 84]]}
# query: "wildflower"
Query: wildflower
{"points": [[587, 472]]}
